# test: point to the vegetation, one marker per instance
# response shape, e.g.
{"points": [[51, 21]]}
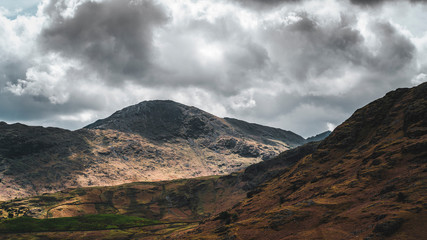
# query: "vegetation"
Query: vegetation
{"points": [[226, 217], [81, 223]]}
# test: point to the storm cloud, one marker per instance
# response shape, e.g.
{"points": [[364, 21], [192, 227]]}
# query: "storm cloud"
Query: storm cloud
{"points": [[263, 4], [112, 37], [378, 2], [291, 64]]}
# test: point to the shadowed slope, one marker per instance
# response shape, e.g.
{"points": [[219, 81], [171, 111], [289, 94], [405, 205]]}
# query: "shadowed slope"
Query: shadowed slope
{"points": [[366, 180], [319, 137]]}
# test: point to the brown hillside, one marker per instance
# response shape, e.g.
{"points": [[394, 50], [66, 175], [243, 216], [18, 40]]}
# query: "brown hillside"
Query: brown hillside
{"points": [[178, 204], [204, 196], [367, 180]]}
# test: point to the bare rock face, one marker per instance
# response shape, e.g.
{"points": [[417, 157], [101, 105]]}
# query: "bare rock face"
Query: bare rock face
{"points": [[150, 141]]}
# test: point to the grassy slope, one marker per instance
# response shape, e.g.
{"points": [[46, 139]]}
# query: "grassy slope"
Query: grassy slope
{"points": [[176, 204], [80, 223]]}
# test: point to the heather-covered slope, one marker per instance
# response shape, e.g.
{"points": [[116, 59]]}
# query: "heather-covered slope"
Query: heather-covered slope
{"points": [[367, 180], [150, 141]]}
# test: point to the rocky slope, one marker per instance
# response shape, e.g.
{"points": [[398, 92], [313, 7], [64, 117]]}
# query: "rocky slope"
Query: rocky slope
{"points": [[150, 141], [367, 180]]}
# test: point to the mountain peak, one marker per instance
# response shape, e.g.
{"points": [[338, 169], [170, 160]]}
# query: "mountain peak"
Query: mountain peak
{"points": [[166, 119], [160, 119]]}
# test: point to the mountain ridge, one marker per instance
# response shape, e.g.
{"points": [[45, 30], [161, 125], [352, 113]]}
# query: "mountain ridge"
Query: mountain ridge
{"points": [[149, 141], [179, 120]]}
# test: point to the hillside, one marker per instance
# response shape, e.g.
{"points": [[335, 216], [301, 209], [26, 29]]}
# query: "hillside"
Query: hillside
{"points": [[367, 180], [319, 137], [150, 141], [172, 205]]}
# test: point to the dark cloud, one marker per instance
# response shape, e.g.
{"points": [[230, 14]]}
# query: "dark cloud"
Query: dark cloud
{"points": [[396, 50], [263, 4], [333, 68], [368, 2], [325, 48], [12, 70], [114, 38], [330, 47], [297, 68], [379, 2]]}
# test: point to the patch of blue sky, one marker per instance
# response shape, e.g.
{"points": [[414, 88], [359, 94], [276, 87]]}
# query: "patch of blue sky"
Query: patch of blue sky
{"points": [[13, 8]]}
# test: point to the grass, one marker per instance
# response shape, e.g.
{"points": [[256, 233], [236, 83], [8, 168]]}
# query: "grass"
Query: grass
{"points": [[81, 223]]}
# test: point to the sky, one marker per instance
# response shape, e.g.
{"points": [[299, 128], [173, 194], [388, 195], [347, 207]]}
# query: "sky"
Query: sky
{"points": [[300, 65]]}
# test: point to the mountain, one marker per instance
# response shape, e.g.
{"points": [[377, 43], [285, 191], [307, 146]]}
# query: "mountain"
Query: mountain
{"points": [[163, 120], [150, 141], [319, 137], [366, 180]]}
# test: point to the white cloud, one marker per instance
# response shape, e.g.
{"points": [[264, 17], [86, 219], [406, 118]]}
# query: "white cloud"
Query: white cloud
{"points": [[330, 126], [420, 78], [243, 101]]}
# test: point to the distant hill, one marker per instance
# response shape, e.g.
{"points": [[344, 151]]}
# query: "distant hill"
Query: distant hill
{"points": [[149, 141], [319, 137], [163, 120]]}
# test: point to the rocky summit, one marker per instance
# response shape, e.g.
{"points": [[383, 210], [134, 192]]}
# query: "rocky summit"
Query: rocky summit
{"points": [[163, 120], [150, 141]]}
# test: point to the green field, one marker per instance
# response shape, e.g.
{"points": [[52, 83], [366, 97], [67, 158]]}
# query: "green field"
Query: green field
{"points": [[81, 223]]}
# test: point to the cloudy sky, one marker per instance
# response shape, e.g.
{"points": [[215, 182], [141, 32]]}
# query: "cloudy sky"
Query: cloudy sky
{"points": [[301, 65]]}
